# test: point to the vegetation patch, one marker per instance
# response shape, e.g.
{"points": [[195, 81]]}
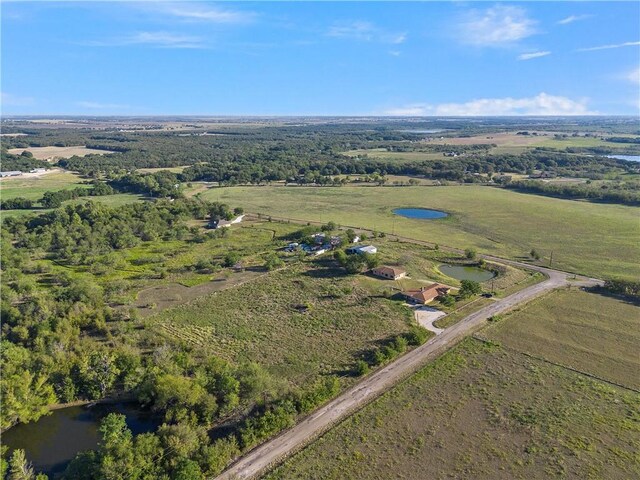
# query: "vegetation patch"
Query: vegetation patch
{"points": [[593, 333], [481, 411]]}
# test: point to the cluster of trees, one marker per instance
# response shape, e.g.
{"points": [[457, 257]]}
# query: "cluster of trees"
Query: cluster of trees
{"points": [[626, 194], [356, 263], [391, 349], [624, 288], [23, 162], [162, 184]]}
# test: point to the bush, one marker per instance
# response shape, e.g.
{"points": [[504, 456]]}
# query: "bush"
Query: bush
{"points": [[361, 368]]}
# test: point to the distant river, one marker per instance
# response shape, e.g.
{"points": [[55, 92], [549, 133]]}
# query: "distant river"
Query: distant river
{"points": [[631, 158]]}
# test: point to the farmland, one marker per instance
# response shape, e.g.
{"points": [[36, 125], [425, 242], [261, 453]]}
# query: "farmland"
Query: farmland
{"points": [[51, 153], [482, 411], [33, 187], [592, 333], [494, 221]]}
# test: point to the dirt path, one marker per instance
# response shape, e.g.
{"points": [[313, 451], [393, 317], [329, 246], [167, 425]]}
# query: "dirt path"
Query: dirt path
{"points": [[275, 450]]}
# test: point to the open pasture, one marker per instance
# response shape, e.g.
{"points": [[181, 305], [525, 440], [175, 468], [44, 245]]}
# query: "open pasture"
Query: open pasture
{"points": [[589, 238], [52, 153], [483, 412], [592, 333], [306, 320]]}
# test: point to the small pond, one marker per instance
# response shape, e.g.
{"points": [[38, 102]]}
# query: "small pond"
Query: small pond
{"points": [[462, 272], [54, 440], [631, 158], [421, 213]]}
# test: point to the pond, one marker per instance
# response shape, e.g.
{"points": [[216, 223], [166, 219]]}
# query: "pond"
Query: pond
{"points": [[54, 440], [462, 272], [421, 213], [631, 158]]}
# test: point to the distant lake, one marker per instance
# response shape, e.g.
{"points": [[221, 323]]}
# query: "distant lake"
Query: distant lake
{"points": [[421, 213], [435, 130], [631, 158], [54, 440]]}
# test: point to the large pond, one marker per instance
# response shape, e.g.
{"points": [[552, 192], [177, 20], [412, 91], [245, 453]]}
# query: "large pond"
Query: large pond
{"points": [[421, 213], [631, 158], [461, 272], [54, 440]]}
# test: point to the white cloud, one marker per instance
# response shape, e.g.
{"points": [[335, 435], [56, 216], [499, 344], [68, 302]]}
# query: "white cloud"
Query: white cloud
{"points": [[154, 39], [395, 53], [607, 47], [102, 106], [10, 100], [206, 13], [541, 104], [498, 26], [529, 56], [633, 76], [365, 32], [573, 18]]}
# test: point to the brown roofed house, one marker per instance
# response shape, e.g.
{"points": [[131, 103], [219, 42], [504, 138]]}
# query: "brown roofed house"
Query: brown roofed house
{"points": [[392, 273], [425, 295]]}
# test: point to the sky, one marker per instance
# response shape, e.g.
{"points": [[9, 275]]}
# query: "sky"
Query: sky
{"points": [[321, 58]]}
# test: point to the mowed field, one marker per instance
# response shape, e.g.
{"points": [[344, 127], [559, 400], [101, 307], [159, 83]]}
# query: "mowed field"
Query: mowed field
{"points": [[300, 322], [592, 333], [484, 412], [33, 187], [49, 153], [589, 238]]}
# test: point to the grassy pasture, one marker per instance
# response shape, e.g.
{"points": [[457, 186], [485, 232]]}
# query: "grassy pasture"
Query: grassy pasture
{"points": [[306, 320], [590, 332], [50, 153], [483, 412], [383, 154], [33, 187], [590, 238]]}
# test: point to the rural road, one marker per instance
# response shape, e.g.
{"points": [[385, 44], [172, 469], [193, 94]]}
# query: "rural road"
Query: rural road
{"points": [[258, 460]]}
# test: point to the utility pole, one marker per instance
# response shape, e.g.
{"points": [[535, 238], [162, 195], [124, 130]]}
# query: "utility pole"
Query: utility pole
{"points": [[551, 259]]}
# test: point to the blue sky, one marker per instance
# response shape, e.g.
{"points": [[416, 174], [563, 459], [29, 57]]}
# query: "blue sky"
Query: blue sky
{"points": [[360, 58]]}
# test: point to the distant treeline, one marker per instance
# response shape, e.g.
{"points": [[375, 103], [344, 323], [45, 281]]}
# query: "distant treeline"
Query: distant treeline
{"points": [[603, 193]]}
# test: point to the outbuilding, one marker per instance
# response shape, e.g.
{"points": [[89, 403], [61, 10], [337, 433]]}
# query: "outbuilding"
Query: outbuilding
{"points": [[391, 273]]}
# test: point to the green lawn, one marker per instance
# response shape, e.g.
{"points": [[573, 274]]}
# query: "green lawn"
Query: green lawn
{"points": [[482, 412], [34, 187], [593, 333], [590, 238]]}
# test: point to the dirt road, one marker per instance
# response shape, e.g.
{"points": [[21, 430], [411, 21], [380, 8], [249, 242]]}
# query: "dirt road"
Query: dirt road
{"points": [[275, 450]]}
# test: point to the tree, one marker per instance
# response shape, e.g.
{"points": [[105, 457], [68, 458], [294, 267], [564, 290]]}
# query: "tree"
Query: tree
{"points": [[19, 467], [447, 300], [272, 262], [351, 235], [328, 227], [469, 288], [470, 253], [361, 368], [534, 254], [188, 470], [231, 258], [238, 211]]}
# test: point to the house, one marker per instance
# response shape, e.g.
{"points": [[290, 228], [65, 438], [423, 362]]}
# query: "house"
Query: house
{"points": [[425, 295], [370, 249], [392, 273], [12, 173]]}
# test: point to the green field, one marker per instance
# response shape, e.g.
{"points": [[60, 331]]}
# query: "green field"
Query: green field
{"points": [[483, 412], [34, 187], [592, 333], [307, 320], [590, 238]]}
